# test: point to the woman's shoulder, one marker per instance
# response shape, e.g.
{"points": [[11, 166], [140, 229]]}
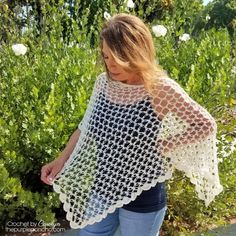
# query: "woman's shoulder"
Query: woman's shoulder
{"points": [[102, 76], [168, 82], [100, 79], [169, 85], [167, 89]]}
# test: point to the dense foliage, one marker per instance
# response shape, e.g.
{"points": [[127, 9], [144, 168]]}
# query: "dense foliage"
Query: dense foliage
{"points": [[44, 93]]}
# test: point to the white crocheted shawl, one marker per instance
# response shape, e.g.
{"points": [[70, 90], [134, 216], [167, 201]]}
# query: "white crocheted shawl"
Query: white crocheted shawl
{"points": [[131, 140]]}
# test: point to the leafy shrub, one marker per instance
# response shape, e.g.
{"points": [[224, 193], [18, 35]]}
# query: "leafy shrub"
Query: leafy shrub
{"points": [[44, 95], [24, 204]]}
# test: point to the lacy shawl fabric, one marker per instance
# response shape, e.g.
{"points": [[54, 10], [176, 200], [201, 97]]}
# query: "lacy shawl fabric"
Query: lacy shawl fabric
{"points": [[129, 141]]}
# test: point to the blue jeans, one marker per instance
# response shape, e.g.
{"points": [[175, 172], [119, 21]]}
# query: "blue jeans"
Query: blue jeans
{"points": [[131, 224]]}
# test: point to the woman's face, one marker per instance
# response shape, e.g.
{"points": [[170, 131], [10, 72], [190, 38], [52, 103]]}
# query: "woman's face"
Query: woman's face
{"points": [[116, 72]]}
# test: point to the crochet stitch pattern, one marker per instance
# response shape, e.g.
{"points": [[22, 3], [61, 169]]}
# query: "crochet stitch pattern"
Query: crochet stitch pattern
{"points": [[129, 141]]}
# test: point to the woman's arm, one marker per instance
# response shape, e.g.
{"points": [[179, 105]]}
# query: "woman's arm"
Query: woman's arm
{"points": [[65, 154], [196, 122]]}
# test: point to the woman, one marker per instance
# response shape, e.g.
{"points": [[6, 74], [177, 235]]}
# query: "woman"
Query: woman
{"points": [[139, 125]]}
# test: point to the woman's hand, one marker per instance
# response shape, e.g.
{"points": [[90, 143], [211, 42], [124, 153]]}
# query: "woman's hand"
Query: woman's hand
{"points": [[50, 170]]}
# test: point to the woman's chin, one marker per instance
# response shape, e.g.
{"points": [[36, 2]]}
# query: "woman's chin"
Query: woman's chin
{"points": [[115, 76]]}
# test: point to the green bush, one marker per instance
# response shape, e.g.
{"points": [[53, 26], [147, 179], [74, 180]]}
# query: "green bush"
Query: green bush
{"points": [[17, 203], [44, 96]]}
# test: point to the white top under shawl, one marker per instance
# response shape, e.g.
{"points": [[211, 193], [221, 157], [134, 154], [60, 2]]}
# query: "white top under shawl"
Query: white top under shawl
{"points": [[125, 148]]}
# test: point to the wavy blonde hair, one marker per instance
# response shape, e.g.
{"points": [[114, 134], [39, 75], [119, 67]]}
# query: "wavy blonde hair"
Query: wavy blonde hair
{"points": [[132, 47]]}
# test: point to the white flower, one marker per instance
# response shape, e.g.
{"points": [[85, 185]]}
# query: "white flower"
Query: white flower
{"points": [[159, 30], [130, 4], [208, 17], [184, 37], [106, 15], [19, 49]]}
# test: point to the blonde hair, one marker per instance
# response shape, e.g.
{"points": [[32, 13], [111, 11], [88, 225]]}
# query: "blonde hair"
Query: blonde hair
{"points": [[132, 47]]}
